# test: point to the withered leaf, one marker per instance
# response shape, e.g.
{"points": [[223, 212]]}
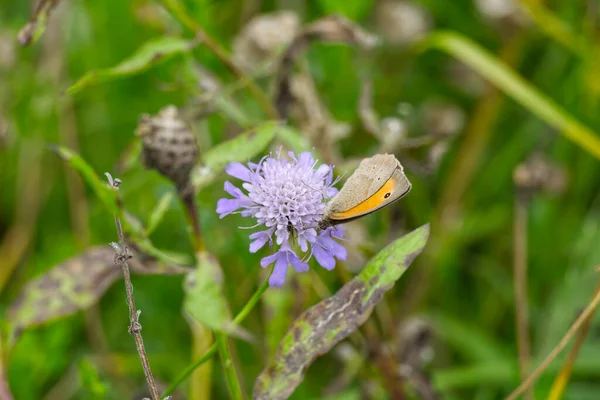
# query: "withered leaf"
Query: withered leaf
{"points": [[333, 28], [34, 29], [74, 285], [325, 324]]}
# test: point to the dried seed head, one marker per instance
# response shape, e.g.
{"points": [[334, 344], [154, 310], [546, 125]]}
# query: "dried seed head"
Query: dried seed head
{"points": [[393, 132], [437, 151], [443, 119], [505, 14], [402, 22], [261, 39], [539, 173], [169, 145], [465, 78]]}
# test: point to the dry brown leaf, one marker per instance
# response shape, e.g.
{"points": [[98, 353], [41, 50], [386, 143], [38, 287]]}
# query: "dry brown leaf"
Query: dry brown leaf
{"points": [[72, 286]]}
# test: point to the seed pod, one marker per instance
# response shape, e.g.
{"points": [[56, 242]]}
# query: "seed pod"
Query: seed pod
{"points": [[261, 39], [169, 145], [538, 173], [402, 22]]}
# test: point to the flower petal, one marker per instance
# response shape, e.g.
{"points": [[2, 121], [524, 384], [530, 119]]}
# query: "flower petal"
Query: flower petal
{"points": [[261, 238], [268, 260], [277, 278], [296, 263], [227, 206], [232, 190], [238, 170], [306, 158], [324, 258]]}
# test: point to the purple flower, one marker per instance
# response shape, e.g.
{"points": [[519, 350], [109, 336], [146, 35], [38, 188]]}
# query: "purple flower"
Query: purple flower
{"points": [[287, 198]]}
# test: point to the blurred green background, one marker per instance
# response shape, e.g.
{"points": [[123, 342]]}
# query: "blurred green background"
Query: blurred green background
{"points": [[464, 142]]}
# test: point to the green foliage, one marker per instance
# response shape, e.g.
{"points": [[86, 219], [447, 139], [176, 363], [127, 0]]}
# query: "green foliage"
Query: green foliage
{"points": [[507, 80], [147, 56], [100, 187], [204, 300], [118, 60], [240, 149]]}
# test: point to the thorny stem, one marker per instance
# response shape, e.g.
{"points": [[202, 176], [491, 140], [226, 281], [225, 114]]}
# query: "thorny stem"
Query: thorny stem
{"points": [[135, 328], [560, 383], [526, 384], [213, 349], [178, 12]]}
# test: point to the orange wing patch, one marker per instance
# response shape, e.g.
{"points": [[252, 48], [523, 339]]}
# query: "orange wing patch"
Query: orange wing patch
{"points": [[371, 204]]}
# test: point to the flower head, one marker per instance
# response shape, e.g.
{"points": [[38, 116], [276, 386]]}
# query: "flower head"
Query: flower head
{"points": [[287, 197]]}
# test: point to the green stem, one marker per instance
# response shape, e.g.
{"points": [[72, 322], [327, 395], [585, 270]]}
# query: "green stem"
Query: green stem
{"points": [[213, 349], [190, 369], [233, 382], [179, 13], [251, 303]]}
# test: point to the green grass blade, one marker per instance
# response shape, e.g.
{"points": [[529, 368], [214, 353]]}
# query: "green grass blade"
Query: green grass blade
{"points": [[158, 213], [515, 86], [99, 185]]}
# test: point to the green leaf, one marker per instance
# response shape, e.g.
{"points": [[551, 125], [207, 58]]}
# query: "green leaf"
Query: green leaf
{"points": [[108, 196], [515, 86], [241, 148], [293, 139], [74, 285], [148, 55], [325, 324], [100, 186], [204, 299], [159, 212], [91, 382], [353, 9]]}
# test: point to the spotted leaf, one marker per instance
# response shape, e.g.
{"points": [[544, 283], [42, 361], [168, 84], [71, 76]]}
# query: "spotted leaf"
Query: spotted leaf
{"points": [[325, 324]]}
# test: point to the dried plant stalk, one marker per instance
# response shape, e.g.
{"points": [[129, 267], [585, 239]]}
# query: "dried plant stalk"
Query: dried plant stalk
{"points": [[135, 328]]}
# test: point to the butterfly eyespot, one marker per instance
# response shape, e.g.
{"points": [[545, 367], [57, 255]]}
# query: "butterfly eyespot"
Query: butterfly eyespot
{"points": [[388, 194]]}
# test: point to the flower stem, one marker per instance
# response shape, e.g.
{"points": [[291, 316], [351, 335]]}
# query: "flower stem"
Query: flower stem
{"points": [[252, 302], [233, 382], [213, 349]]}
